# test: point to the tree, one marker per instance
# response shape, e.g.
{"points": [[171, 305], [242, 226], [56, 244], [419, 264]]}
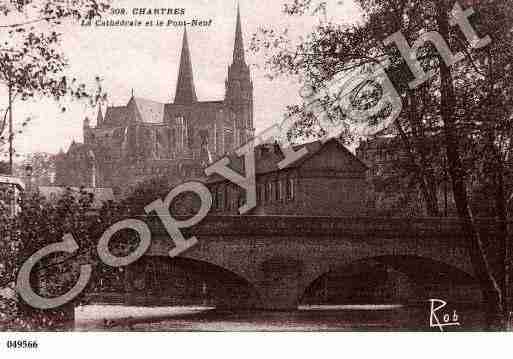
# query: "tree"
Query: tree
{"points": [[31, 61], [42, 222], [4, 167], [42, 169], [457, 109]]}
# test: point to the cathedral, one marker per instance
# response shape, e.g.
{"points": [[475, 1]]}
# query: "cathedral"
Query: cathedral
{"points": [[145, 139]]}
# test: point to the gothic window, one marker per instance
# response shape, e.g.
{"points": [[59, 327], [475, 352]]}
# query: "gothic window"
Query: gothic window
{"points": [[185, 135], [170, 142], [219, 141], [156, 144], [190, 135], [203, 136], [174, 141], [237, 89], [180, 122], [228, 139]]}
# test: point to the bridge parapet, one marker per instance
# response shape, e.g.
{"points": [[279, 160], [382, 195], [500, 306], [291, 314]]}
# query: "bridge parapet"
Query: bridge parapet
{"points": [[331, 226], [301, 249]]}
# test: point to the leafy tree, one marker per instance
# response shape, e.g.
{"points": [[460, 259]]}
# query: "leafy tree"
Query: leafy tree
{"points": [[42, 168], [159, 187], [4, 167], [459, 114], [42, 222], [32, 62]]}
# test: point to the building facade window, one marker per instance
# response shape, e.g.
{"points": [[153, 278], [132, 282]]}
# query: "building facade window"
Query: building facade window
{"points": [[220, 197], [228, 139], [226, 197], [242, 138], [182, 129], [215, 203], [241, 198], [172, 141], [190, 135], [290, 188], [157, 140]]}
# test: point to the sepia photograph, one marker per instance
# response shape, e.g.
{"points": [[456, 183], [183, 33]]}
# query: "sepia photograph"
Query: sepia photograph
{"points": [[299, 166]]}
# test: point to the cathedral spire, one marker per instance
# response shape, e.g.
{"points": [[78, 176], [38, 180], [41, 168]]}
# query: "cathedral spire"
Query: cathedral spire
{"points": [[99, 118], [238, 51], [185, 90]]}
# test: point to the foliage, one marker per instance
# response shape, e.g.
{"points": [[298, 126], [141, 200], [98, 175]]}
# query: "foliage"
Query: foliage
{"points": [[4, 167], [460, 117], [32, 63], [346, 49], [40, 223], [156, 188]]}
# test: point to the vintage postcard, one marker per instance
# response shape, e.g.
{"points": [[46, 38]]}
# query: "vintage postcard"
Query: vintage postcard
{"points": [[255, 165]]}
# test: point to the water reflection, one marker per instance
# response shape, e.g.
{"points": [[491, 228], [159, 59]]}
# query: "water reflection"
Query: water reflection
{"points": [[375, 317]]}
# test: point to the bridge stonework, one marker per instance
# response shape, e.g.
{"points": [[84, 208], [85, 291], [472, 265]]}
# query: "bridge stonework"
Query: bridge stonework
{"points": [[281, 256]]}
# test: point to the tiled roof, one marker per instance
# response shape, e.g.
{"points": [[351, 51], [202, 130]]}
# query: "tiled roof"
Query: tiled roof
{"points": [[146, 111], [267, 157], [77, 146], [116, 116], [150, 111]]}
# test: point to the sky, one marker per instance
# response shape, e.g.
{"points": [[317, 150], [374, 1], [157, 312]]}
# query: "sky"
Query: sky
{"points": [[146, 60]]}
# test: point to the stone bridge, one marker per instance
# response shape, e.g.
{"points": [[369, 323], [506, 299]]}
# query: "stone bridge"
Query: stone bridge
{"points": [[280, 257]]}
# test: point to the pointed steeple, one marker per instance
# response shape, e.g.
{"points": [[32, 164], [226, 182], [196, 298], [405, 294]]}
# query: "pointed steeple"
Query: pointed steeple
{"points": [[99, 118], [185, 90], [238, 50]]}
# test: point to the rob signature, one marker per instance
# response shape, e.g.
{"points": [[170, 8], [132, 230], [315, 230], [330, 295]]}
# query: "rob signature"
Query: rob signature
{"points": [[439, 318]]}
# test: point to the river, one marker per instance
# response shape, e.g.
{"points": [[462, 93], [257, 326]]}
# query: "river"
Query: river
{"points": [[306, 318]]}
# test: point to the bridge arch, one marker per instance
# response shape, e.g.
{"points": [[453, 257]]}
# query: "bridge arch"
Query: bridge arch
{"points": [[388, 278], [160, 280]]}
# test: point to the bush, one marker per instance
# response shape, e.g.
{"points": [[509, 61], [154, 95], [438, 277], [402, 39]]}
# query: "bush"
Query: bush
{"points": [[39, 224]]}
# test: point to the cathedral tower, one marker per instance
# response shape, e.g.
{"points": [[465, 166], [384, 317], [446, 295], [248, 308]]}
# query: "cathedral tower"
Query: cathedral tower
{"points": [[185, 90], [239, 89]]}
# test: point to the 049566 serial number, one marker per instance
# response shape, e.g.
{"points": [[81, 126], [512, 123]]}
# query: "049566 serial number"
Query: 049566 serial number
{"points": [[22, 344]]}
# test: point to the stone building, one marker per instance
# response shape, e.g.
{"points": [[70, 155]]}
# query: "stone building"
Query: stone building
{"points": [[144, 138], [328, 181]]}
